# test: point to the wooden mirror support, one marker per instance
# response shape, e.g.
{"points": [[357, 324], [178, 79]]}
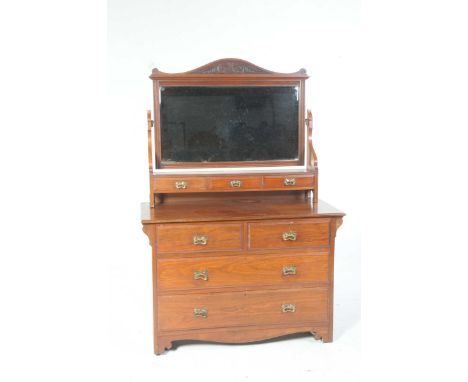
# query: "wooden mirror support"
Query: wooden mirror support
{"points": [[300, 174]]}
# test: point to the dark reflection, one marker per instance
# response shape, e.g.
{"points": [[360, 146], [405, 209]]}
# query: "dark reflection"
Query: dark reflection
{"points": [[229, 124]]}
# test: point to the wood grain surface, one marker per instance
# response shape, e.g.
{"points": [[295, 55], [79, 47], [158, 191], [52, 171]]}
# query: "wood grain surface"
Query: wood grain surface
{"points": [[242, 270], [308, 233], [179, 237], [246, 206], [176, 312]]}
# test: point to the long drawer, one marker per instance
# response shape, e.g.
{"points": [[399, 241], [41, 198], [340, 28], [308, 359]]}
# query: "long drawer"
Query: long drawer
{"points": [[239, 270], [200, 237], [289, 234], [197, 311]]}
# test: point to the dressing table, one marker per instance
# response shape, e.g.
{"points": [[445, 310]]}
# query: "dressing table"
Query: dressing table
{"points": [[242, 248]]}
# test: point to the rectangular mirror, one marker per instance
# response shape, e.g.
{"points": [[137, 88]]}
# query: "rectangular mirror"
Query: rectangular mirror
{"points": [[229, 124]]}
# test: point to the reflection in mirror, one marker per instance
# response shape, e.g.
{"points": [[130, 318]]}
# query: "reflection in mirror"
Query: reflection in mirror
{"points": [[229, 124]]}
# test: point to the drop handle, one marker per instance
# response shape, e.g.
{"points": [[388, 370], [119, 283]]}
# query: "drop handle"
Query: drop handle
{"points": [[290, 235], [200, 275], [235, 183], [182, 185], [289, 270], [288, 308], [200, 312], [290, 181], [200, 239]]}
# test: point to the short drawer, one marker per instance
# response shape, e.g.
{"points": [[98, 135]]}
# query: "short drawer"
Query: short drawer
{"points": [[287, 306], [240, 270], [198, 237], [288, 182], [238, 183], [175, 185], [289, 234]]}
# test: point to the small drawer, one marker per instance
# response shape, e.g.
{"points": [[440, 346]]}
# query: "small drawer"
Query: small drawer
{"points": [[289, 234], [287, 306], [176, 185], [238, 183], [240, 270], [172, 238], [288, 182]]}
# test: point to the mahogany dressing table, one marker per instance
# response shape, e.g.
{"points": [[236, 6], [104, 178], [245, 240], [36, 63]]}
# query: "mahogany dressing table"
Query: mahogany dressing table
{"points": [[242, 248]]}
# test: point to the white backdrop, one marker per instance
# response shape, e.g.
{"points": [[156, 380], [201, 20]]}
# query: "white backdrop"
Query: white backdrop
{"points": [[389, 102], [282, 36]]}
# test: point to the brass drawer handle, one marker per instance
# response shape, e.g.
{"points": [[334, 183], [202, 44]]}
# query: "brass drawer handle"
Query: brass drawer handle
{"points": [[288, 308], [290, 235], [290, 181], [200, 312], [235, 183], [182, 185], [200, 275], [200, 239], [289, 270]]}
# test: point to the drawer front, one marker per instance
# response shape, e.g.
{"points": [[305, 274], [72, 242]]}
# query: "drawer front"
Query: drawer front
{"points": [[196, 311], [238, 183], [188, 273], [288, 182], [198, 237], [291, 234], [179, 184]]}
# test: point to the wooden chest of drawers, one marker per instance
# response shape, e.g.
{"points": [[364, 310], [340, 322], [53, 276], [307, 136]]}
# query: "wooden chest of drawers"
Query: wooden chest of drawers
{"points": [[241, 269]]}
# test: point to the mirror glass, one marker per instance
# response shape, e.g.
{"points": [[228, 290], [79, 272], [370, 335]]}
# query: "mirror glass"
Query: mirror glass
{"points": [[229, 124]]}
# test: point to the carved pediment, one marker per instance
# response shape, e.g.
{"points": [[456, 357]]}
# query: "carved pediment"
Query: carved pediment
{"points": [[227, 67], [230, 66]]}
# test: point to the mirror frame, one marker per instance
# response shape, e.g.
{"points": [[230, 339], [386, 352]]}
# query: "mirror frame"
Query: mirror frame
{"points": [[229, 73]]}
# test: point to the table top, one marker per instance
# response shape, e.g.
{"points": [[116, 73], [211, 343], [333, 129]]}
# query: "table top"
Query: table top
{"points": [[239, 207]]}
